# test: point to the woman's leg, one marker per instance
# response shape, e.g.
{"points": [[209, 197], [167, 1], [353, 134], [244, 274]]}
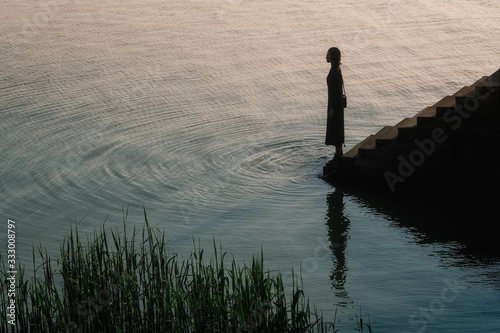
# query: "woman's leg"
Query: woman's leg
{"points": [[338, 150], [338, 153]]}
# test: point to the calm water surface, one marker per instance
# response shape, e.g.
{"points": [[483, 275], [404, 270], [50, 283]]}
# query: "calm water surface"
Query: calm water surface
{"points": [[211, 114]]}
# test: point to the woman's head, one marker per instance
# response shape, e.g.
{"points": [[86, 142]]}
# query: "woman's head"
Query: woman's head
{"points": [[333, 56]]}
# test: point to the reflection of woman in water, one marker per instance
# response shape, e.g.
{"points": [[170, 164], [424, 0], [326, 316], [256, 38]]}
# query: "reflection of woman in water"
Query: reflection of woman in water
{"points": [[338, 232], [335, 120]]}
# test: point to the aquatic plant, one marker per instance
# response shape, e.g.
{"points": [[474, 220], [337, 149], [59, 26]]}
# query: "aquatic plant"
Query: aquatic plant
{"points": [[115, 282]]}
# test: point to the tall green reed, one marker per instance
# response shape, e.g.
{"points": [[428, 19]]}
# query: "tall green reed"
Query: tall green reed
{"points": [[131, 282]]}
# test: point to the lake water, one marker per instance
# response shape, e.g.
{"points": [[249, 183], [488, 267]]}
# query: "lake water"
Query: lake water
{"points": [[211, 114]]}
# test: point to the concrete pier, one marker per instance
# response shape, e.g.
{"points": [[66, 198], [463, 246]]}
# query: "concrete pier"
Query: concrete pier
{"points": [[453, 143]]}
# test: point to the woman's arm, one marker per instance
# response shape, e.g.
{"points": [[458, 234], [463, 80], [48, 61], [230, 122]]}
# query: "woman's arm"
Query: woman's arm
{"points": [[335, 88]]}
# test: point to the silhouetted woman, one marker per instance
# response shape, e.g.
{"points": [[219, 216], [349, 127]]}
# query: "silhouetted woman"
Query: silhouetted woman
{"points": [[335, 120]]}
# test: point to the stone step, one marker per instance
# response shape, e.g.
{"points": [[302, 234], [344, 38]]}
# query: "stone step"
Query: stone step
{"points": [[461, 96], [426, 115], [368, 147], [437, 110], [471, 101], [487, 90], [456, 99], [481, 81], [492, 81], [430, 113], [353, 153], [447, 103], [385, 136], [367, 143], [406, 125], [465, 92]]}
